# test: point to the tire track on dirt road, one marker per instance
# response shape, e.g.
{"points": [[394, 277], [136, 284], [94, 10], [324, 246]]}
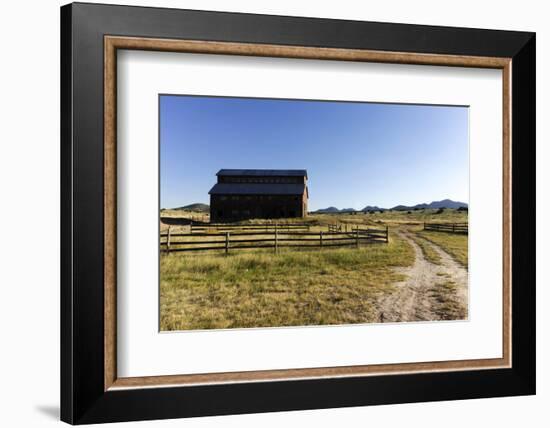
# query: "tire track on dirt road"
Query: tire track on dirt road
{"points": [[422, 296]]}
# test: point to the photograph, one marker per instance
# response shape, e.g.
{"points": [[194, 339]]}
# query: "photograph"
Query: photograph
{"points": [[288, 212]]}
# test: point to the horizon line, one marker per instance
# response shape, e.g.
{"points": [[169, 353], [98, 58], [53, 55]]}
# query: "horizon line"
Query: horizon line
{"points": [[349, 207]]}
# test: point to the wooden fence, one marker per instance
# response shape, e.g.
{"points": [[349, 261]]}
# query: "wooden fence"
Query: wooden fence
{"points": [[343, 227], [274, 238], [447, 227], [335, 228]]}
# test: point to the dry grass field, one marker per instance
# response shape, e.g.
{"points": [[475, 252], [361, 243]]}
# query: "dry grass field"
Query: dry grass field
{"points": [[413, 277], [262, 289], [418, 216], [392, 218], [453, 243], [427, 250]]}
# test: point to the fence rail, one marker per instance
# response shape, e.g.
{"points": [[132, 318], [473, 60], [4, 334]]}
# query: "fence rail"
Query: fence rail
{"points": [[274, 238], [334, 227], [447, 227]]}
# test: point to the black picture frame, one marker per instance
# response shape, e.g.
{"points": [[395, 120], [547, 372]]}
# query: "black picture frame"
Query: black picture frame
{"points": [[83, 398]]}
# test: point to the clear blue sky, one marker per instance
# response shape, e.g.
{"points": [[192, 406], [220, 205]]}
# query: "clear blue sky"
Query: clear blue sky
{"points": [[356, 154]]}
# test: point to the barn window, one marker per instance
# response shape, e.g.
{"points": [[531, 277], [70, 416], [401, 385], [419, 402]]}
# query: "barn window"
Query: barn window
{"points": [[235, 198], [235, 213], [223, 198]]}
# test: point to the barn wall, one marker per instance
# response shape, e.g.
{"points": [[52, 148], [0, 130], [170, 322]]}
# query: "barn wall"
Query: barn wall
{"points": [[238, 207]]}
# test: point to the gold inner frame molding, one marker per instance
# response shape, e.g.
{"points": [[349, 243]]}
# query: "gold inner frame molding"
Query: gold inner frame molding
{"points": [[113, 43]]}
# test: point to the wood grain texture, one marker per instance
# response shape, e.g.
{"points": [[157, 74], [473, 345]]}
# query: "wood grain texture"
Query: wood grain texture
{"points": [[109, 195], [301, 52], [507, 213], [296, 374], [112, 43]]}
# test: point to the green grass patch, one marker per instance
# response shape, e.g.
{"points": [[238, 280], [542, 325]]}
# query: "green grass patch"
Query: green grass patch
{"points": [[453, 243], [295, 287], [427, 249]]}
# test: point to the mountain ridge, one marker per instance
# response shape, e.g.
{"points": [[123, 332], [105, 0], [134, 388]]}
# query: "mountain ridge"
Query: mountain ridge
{"points": [[194, 207], [444, 203]]}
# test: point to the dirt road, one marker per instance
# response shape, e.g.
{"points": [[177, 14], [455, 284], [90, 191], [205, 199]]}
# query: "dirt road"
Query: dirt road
{"points": [[430, 292]]}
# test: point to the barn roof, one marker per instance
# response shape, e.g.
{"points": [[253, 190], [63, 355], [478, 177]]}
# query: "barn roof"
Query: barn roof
{"points": [[257, 189], [263, 172]]}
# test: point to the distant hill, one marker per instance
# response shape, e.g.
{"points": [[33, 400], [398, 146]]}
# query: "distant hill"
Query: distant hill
{"points": [[401, 208], [194, 207], [371, 208], [328, 210], [333, 210], [445, 203]]}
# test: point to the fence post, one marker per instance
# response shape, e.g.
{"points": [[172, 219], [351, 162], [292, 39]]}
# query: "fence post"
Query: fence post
{"points": [[387, 235], [357, 237], [321, 238], [453, 227], [226, 242], [191, 226], [276, 243], [168, 239]]}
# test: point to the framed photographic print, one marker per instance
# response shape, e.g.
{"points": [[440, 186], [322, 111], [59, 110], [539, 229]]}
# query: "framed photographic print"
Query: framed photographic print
{"points": [[265, 213]]}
